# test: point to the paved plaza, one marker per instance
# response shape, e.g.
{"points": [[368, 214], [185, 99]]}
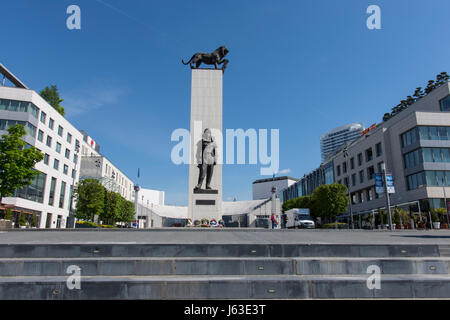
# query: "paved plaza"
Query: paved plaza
{"points": [[226, 236]]}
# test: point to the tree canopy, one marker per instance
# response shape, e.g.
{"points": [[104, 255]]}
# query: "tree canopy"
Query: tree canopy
{"points": [[93, 199], [17, 161], [51, 95], [326, 201], [90, 197]]}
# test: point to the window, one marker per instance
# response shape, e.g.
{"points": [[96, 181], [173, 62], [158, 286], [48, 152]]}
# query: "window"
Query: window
{"points": [[51, 123], [33, 191], [40, 135], [56, 164], [380, 167], [359, 159], [34, 111], [73, 173], [46, 159], [344, 167], [369, 194], [415, 181], [69, 138], [370, 172], [354, 179], [445, 104], [67, 154], [51, 198], [66, 169], [369, 155], [437, 178], [58, 147], [49, 141], [352, 163], [436, 155], [62, 194], [410, 137], [75, 158], [361, 176], [43, 117], [60, 131], [338, 170], [412, 159], [378, 149]]}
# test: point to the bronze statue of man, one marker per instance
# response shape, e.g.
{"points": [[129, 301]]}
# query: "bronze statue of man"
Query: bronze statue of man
{"points": [[207, 159]]}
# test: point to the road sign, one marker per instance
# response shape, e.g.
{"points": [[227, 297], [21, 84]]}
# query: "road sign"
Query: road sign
{"points": [[379, 186], [379, 183], [390, 183]]}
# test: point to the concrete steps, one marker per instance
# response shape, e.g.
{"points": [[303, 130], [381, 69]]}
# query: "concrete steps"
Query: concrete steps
{"points": [[225, 287], [222, 271], [13, 267]]}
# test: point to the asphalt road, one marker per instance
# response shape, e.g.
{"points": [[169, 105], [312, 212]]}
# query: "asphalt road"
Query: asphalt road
{"points": [[227, 236]]}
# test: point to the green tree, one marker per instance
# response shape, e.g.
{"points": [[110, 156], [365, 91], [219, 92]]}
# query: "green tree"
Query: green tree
{"points": [[126, 211], [90, 197], [329, 200], [51, 95], [22, 219], [111, 211], [16, 162], [300, 202]]}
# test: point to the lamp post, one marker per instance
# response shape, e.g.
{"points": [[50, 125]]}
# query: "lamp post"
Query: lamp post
{"points": [[388, 204], [444, 182], [348, 187], [71, 215]]}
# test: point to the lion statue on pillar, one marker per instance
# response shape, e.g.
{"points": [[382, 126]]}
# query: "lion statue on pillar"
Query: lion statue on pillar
{"points": [[213, 58]]}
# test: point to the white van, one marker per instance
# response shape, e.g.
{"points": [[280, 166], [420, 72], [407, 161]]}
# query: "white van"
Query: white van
{"points": [[299, 218]]}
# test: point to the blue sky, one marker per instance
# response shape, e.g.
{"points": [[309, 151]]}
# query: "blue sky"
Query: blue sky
{"points": [[303, 67]]}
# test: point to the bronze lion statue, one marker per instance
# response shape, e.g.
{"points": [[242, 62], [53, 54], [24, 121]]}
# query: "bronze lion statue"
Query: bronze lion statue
{"points": [[214, 58]]}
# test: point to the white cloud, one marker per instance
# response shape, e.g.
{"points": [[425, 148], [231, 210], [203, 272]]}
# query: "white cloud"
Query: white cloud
{"points": [[284, 171], [95, 94]]}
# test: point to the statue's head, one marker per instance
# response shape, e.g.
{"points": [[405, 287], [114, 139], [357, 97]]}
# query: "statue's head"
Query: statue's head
{"points": [[223, 51], [207, 135]]}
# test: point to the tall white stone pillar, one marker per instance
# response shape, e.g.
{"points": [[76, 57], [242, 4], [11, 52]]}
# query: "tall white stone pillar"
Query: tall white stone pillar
{"points": [[206, 113]]}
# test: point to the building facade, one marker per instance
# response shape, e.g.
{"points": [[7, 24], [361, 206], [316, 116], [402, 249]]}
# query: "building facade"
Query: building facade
{"points": [[335, 139], [262, 189], [49, 196], [414, 146]]}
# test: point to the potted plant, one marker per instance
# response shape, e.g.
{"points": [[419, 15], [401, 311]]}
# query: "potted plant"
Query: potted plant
{"points": [[22, 220], [435, 219], [34, 221]]}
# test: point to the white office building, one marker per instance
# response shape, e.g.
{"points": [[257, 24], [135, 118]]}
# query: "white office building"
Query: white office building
{"points": [[49, 196]]}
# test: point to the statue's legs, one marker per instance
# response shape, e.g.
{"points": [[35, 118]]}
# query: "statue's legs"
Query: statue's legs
{"points": [[201, 175], [209, 174]]}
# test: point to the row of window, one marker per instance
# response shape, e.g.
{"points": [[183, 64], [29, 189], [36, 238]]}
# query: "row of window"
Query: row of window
{"points": [[363, 195], [369, 157], [370, 171], [414, 158], [56, 165], [19, 106], [29, 128], [425, 133], [428, 178], [35, 191], [62, 193]]}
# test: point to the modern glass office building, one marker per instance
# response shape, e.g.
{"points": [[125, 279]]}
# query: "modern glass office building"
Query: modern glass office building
{"points": [[335, 139]]}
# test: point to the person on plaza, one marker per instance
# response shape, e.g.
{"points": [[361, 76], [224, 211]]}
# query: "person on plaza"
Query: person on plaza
{"points": [[274, 221]]}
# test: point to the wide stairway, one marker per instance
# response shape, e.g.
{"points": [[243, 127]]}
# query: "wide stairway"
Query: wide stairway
{"points": [[223, 271]]}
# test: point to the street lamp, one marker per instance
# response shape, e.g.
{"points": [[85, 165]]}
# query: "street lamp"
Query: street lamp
{"points": [[71, 215], [348, 187], [388, 202], [444, 182]]}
